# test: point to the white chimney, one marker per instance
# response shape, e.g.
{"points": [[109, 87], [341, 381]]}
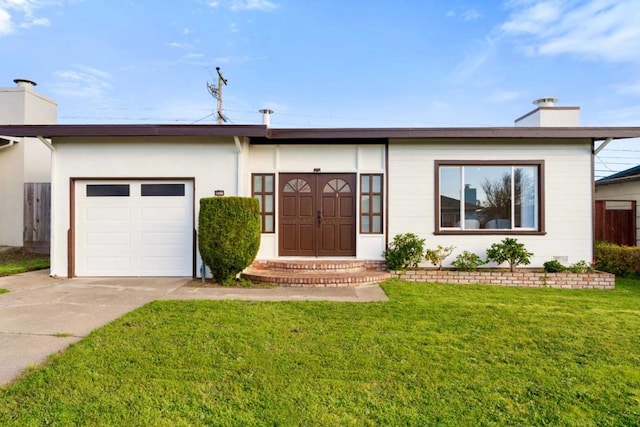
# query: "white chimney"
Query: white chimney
{"points": [[547, 114], [266, 116]]}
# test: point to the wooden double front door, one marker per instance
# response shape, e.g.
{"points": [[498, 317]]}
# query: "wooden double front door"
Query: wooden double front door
{"points": [[317, 214]]}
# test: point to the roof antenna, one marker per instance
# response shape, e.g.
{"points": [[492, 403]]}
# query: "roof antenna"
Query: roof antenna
{"points": [[216, 92]]}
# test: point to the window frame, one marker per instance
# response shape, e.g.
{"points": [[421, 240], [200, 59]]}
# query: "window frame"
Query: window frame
{"points": [[541, 230], [371, 194], [261, 195]]}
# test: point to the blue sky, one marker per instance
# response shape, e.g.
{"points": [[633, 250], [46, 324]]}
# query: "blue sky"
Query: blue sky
{"points": [[331, 63]]}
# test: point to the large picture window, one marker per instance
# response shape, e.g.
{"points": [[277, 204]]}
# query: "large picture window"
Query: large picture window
{"points": [[491, 196], [263, 189]]}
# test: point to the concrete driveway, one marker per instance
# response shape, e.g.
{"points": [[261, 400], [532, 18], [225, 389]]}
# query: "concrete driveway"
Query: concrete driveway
{"points": [[43, 315]]}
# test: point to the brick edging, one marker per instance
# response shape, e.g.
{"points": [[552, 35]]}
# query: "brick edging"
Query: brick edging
{"points": [[521, 278]]}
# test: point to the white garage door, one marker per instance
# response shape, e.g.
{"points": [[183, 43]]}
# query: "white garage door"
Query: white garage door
{"points": [[134, 228]]}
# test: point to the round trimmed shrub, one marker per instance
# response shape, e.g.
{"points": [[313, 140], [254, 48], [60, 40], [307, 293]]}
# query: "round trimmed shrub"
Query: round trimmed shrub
{"points": [[228, 234]]}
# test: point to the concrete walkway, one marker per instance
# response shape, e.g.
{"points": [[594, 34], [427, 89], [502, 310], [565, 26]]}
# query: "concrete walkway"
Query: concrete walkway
{"points": [[43, 315]]}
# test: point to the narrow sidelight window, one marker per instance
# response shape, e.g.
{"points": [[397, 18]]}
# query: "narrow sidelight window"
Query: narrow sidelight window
{"points": [[263, 186], [371, 203]]}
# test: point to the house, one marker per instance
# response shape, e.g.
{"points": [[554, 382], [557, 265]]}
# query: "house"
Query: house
{"points": [[25, 169], [125, 197], [616, 199]]}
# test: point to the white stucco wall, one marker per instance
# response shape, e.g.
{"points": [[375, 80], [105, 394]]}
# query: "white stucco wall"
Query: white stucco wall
{"points": [[211, 162], [629, 190], [11, 195], [328, 158], [26, 161], [567, 193]]}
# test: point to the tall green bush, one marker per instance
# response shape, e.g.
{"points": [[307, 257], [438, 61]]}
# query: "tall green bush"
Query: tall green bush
{"points": [[228, 234], [619, 260]]}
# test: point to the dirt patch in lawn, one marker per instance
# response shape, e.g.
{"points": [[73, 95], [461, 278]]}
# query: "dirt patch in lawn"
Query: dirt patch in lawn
{"points": [[10, 255]]}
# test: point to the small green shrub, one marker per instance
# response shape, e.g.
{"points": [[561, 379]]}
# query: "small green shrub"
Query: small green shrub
{"points": [[436, 256], [467, 261], [511, 251], [228, 234], [619, 260], [554, 266], [405, 251], [580, 267]]}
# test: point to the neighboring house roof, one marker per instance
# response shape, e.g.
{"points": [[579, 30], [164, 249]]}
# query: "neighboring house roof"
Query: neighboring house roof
{"points": [[264, 134], [631, 174]]}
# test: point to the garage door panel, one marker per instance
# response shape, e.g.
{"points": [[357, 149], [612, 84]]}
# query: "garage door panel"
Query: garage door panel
{"points": [[105, 213], [162, 239], [134, 235], [176, 215], [107, 239], [161, 263], [103, 265]]}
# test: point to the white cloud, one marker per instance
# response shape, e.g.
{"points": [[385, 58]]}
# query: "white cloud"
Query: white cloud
{"points": [[264, 5], [6, 26], [503, 96], [606, 30], [470, 15], [632, 88], [465, 15], [36, 22], [83, 82], [22, 14], [473, 60]]}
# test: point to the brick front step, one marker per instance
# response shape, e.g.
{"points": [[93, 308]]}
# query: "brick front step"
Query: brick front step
{"points": [[341, 266], [314, 273]]}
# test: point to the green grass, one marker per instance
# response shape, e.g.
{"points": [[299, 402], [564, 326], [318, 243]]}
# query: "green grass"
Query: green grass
{"points": [[432, 355], [17, 260], [3, 291]]}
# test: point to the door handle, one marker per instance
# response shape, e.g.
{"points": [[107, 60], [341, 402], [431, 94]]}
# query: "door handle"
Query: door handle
{"points": [[319, 218]]}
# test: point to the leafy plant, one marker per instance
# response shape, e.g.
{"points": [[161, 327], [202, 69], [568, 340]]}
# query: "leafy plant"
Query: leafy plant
{"points": [[619, 260], [228, 234], [467, 261], [554, 266], [405, 251], [511, 251], [438, 255], [580, 267]]}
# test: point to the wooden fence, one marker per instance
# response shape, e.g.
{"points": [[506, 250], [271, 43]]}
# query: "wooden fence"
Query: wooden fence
{"points": [[37, 216], [616, 221]]}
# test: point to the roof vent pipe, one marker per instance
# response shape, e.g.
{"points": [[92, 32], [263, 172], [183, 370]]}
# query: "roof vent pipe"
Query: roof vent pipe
{"points": [[545, 102], [25, 83], [266, 116]]}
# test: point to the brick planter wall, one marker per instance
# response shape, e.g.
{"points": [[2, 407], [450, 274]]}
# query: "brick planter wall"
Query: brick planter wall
{"points": [[521, 277]]}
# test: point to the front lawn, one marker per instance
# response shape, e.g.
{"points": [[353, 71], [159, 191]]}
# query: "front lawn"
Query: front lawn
{"points": [[434, 354]]}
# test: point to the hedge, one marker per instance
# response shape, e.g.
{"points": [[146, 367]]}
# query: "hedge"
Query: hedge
{"points": [[619, 260], [228, 234]]}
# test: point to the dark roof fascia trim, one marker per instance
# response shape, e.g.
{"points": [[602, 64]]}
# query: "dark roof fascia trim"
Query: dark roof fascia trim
{"points": [[52, 131], [606, 181], [591, 133], [324, 141], [363, 134]]}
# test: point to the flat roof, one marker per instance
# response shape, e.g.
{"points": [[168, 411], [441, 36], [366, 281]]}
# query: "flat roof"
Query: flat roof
{"points": [[263, 134]]}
